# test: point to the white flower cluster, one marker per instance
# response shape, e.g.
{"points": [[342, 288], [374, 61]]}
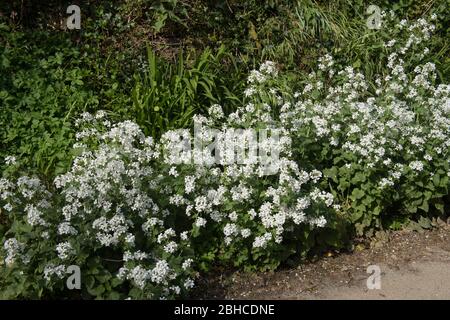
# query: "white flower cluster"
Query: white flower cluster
{"points": [[394, 130], [10, 160], [267, 70], [223, 193], [14, 251], [108, 201], [64, 250], [54, 270], [160, 274], [138, 198]]}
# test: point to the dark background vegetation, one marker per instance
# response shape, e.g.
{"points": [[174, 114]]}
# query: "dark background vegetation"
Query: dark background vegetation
{"points": [[201, 50], [160, 62]]}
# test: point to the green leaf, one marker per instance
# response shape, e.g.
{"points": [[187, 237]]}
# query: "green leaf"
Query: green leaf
{"points": [[356, 215], [89, 281], [97, 291], [440, 207], [436, 180], [425, 222], [357, 194], [424, 206]]}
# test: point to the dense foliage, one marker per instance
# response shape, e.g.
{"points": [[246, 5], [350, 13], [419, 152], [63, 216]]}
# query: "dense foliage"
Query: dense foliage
{"points": [[92, 122]]}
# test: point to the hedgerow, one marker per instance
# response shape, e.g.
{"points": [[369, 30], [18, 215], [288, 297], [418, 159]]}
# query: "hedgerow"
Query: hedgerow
{"points": [[141, 217]]}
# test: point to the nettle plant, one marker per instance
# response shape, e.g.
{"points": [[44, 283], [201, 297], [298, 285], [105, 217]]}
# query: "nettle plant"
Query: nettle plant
{"points": [[382, 144]]}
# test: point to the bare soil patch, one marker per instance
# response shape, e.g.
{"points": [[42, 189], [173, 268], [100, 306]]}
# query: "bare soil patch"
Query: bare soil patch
{"points": [[414, 266]]}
